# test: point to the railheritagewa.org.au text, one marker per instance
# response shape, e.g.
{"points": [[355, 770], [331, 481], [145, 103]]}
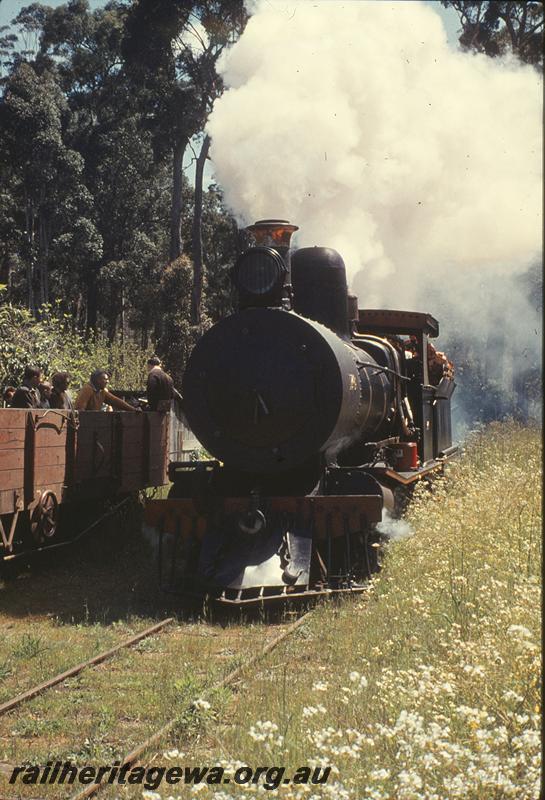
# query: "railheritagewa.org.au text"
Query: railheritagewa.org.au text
{"points": [[64, 772]]}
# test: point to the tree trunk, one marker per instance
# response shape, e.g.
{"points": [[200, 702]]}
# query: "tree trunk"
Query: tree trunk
{"points": [[92, 301], [42, 259], [123, 318], [77, 311], [196, 235], [113, 314], [29, 220], [176, 206], [5, 268]]}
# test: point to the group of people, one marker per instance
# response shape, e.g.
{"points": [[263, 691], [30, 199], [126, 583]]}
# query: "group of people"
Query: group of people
{"points": [[93, 396], [37, 393]]}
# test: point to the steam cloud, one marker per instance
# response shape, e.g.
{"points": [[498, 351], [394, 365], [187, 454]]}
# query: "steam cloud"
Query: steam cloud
{"points": [[421, 165], [394, 529]]}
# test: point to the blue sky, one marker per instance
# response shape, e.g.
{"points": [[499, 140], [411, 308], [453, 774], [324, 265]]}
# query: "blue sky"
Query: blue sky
{"points": [[10, 8]]}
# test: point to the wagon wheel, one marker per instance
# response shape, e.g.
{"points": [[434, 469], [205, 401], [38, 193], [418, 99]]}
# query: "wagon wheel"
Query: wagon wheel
{"points": [[45, 517]]}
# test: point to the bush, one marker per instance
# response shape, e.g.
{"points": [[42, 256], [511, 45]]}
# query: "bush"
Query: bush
{"points": [[54, 345]]}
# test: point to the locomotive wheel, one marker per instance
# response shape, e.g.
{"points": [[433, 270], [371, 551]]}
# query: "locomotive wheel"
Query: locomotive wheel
{"points": [[45, 518]]}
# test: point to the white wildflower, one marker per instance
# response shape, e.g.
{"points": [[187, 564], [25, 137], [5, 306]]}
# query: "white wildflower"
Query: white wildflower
{"points": [[202, 705], [171, 754], [457, 786], [519, 632], [263, 731], [336, 791], [361, 680], [380, 774], [475, 670], [409, 780], [311, 711]]}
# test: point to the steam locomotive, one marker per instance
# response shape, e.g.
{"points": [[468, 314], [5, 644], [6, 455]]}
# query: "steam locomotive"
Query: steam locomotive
{"points": [[319, 417]]}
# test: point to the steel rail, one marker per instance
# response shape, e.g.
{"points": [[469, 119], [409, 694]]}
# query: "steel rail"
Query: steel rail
{"points": [[69, 673], [132, 757]]}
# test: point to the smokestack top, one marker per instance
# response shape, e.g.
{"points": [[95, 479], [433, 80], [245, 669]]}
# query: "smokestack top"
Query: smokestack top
{"points": [[275, 233]]}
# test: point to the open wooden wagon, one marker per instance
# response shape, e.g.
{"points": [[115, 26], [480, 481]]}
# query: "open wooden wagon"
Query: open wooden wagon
{"points": [[51, 459]]}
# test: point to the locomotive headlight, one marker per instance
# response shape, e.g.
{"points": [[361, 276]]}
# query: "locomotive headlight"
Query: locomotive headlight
{"points": [[259, 271]]}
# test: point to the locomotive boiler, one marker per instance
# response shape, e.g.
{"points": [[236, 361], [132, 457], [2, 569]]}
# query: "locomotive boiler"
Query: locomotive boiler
{"points": [[318, 417]]}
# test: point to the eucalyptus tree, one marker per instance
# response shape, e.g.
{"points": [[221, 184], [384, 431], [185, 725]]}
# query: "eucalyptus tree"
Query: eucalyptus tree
{"points": [[47, 192], [97, 112], [171, 51], [123, 169], [495, 27]]}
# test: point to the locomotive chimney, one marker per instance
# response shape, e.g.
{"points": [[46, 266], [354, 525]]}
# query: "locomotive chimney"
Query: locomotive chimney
{"points": [[274, 233], [262, 273]]}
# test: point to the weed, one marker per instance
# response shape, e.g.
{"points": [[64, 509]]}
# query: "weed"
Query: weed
{"points": [[30, 727], [150, 645], [427, 686], [29, 647], [5, 669]]}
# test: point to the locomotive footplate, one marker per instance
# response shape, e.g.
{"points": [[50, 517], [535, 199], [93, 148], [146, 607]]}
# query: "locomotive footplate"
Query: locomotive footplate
{"points": [[237, 552]]}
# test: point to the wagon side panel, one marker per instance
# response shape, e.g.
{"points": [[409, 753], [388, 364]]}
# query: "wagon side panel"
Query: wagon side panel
{"points": [[13, 423], [47, 454], [143, 450], [96, 469]]}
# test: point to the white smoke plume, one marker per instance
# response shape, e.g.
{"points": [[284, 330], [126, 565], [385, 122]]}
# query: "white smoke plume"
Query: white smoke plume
{"points": [[420, 164], [394, 529]]}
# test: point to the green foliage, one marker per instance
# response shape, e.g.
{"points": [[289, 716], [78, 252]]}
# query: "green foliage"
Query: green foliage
{"points": [[91, 114], [175, 334], [29, 647], [54, 345], [427, 685], [496, 27], [49, 201]]}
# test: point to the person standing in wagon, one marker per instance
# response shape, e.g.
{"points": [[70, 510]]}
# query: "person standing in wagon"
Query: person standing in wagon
{"points": [[94, 395], [59, 394], [28, 395]]}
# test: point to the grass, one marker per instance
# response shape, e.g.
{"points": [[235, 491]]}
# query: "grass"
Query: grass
{"points": [[103, 713], [75, 604], [428, 688]]}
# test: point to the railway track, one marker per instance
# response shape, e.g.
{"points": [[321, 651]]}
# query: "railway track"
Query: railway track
{"points": [[148, 745], [133, 758], [73, 671]]}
